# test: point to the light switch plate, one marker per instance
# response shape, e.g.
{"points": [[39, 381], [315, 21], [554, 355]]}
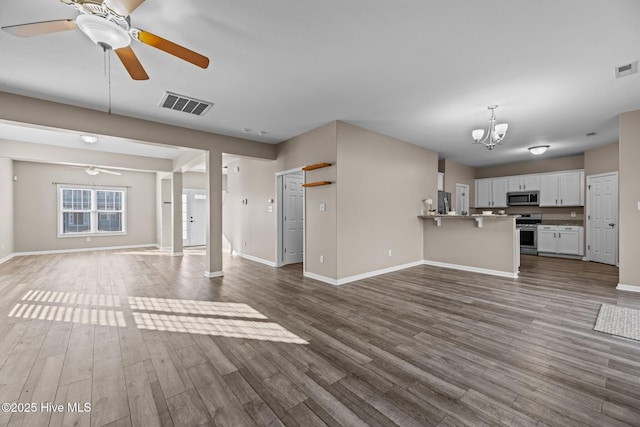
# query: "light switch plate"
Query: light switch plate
{"points": [[639, 206], [323, 207]]}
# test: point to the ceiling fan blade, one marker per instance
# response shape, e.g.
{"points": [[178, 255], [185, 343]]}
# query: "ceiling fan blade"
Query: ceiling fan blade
{"points": [[172, 48], [131, 63], [107, 171], [38, 28], [123, 7]]}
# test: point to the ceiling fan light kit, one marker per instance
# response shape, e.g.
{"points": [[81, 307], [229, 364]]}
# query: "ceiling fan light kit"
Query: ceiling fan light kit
{"points": [[495, 132], [103, 32]]}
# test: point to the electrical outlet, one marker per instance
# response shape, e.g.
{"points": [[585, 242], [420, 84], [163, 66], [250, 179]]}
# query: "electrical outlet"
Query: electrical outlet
{"points": [[88, 239], [269, 208], [389, 252], [321, 259], [573, 214]]}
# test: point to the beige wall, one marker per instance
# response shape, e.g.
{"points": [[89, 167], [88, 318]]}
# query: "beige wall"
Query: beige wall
{"points": [[457, 173], [460, 241], [250, 228], [6, 208], [316, 146], [533, 166], [36, 227], [381, 184], [629, 191], [194, 180], [601, 160]]}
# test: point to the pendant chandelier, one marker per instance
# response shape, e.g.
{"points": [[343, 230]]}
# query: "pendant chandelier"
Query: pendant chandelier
{"points": [[495, 133]]}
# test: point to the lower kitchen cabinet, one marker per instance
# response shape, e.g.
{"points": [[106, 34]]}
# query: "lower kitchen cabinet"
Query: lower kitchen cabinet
{"points": [[561, 239]]}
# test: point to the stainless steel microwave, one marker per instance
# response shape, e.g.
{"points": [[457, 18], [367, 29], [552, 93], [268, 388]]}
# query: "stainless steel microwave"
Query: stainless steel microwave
{"points": [[523, 198]]}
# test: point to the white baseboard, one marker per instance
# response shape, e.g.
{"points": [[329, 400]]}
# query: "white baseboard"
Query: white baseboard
{"points": [[177, 253], [472, 269], [7, 258], [64, 251], [320, 278], [164, 248], [629, 288], [256, 259], [374, 273], [211, 274]]}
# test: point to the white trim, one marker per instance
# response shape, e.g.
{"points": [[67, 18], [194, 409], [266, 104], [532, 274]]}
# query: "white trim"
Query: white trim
{"points": [[287, 172], [256, 259], [212, 274], [378, 272], [472, 269], [320, 278], [177, 253], [164, 248], [7, 258], [629, 288], [64, 251]]}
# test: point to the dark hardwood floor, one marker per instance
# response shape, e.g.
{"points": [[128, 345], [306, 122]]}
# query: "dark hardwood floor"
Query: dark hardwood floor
{"points": [[146, 340]]}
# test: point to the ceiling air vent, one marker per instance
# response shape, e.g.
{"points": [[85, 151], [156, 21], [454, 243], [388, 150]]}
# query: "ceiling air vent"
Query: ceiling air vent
{"points": [[173, 101], [626, 70]]}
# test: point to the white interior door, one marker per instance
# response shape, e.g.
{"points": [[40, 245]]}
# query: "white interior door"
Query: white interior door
{"points": [[293, 230], [462, 198], [602, 218], [194, 217]]}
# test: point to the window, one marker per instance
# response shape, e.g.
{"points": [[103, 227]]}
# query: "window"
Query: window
{"points": [[91, 211]]}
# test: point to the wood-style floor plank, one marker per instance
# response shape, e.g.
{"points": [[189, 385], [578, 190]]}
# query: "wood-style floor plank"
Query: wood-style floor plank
{"points": [[424, 346]]}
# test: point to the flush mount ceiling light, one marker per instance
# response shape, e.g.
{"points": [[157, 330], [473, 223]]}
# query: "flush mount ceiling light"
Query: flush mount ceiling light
{"points": [[495, 133], [538, 149], [89, 139]]}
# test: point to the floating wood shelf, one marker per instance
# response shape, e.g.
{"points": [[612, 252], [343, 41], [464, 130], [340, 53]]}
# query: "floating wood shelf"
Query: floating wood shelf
{"points": [[316, 166], [316, 184]]}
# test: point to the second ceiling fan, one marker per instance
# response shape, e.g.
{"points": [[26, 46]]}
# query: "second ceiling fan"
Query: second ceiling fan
{"points": [[107, 24]]}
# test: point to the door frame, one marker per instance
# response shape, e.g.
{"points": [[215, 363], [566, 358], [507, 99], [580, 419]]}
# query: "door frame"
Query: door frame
{"points": [[279, 218], [587, 231]]}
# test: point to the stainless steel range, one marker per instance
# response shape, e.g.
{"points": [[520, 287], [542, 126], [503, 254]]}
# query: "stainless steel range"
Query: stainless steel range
{"points": [[528, 226]]}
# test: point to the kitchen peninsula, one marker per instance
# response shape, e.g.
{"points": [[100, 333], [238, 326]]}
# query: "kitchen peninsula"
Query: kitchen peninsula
{"points": [[488, 244]]}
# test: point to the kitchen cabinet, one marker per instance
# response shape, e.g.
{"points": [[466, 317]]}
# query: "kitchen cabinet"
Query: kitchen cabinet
{"points": [[491, 193], [523, 183], [561, 239], [562, 189]]}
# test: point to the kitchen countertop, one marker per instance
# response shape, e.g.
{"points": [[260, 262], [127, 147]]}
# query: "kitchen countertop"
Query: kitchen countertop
{"points": [[567, 222]]}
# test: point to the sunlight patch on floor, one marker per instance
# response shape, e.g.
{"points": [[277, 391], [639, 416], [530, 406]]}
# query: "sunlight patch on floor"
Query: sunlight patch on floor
{"points": [[73, 298], [232, 328], [87, 316]]}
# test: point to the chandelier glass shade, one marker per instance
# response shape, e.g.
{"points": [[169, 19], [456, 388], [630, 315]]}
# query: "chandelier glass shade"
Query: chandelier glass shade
{"points": [[495, 133]]}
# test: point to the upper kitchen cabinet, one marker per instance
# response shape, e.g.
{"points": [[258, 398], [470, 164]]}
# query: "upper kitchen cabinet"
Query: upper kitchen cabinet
{"points": [[562, 189], [491, 193], [523, 183]]}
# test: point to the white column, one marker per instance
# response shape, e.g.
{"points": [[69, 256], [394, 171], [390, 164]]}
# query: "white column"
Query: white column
{"points": [[176, 214], [213, 260]]}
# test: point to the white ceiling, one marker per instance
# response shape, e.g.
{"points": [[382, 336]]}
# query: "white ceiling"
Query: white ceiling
{"points": [[421, 71]]}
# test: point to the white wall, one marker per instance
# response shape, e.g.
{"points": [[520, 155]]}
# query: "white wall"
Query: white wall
{"points": [[6, 208], [36, 219]]}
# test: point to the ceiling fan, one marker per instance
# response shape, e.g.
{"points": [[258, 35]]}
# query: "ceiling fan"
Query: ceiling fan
{"points": [[93, 171], [108, 24]]}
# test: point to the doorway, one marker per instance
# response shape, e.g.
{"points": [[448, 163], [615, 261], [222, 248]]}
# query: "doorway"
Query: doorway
{"points": [[194, 217], [602, 218], [290, 240], [462, 199]]}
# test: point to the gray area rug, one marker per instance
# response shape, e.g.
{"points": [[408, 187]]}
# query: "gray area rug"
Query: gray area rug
{"points": [[621, 321]]}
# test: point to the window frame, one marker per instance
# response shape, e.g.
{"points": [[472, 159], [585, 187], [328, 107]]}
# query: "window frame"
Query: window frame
{"points": [[93, 212]]}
